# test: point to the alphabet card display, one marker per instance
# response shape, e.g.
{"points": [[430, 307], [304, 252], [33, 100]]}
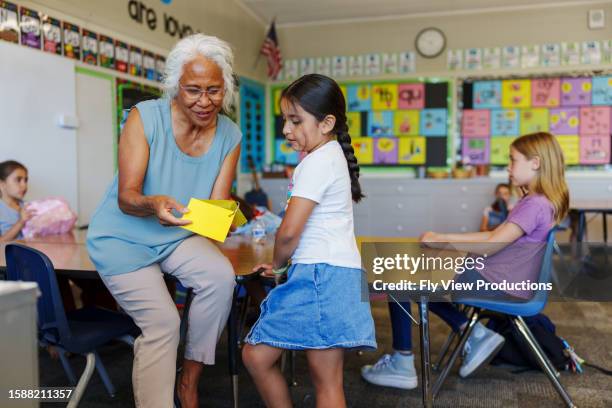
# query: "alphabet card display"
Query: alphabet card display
{"points": [[578, 111], [391, 123]]}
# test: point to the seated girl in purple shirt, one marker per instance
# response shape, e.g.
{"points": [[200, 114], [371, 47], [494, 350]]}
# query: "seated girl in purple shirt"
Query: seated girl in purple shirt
{"points": [[514, 253]]}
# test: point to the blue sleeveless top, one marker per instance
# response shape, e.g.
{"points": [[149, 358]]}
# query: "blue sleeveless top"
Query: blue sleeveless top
{"points": [[120, 243]]}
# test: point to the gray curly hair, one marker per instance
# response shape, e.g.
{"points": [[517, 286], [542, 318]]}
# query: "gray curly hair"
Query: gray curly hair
{"points": [[208, 46]]}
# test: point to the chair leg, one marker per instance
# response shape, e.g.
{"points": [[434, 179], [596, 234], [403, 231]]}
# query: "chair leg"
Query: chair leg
{"points": [[77, 394], [445, 347], [455, 354], [108, 384], [543, 360], [67, 367]]}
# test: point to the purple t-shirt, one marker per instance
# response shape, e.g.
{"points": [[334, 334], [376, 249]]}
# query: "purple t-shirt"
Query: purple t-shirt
{"points": [[522, 259]]}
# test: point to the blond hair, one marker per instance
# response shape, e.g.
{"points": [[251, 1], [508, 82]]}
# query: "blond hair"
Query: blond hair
{"points": [[550, 179]]}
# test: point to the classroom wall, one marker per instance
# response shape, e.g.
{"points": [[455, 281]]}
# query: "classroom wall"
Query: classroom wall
{"points": [[225, 19], [483, 29]]}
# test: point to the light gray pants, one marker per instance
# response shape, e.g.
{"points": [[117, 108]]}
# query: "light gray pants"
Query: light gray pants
{"points": [[199, 264]]}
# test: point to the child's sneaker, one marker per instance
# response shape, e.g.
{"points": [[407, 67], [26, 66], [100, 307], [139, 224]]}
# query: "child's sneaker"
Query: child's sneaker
{"points": [[480, 348], [395, 370]]}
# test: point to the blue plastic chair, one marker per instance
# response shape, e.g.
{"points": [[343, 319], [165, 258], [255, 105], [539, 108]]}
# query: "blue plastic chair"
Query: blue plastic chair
{"points": [[515, 311], [79, 332]]}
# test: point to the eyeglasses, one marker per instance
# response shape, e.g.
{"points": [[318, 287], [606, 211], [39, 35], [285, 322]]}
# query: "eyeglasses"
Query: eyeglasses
{"points": [[214, 93]]}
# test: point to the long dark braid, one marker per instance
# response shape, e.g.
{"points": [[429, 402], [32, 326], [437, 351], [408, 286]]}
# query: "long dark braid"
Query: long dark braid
{"points": [[321, 96]]}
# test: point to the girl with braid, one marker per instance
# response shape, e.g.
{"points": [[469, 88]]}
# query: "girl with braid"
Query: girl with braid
{"points": [[320, 308]]}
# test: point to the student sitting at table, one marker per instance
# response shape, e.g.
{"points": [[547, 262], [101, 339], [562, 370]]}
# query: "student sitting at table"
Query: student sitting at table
{"points": [[497, 212], [13, 188], [319, 309], [537, 169]]}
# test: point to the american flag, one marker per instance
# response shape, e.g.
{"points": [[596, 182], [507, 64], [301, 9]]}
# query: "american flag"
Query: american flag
{"points": [[270, 49]]}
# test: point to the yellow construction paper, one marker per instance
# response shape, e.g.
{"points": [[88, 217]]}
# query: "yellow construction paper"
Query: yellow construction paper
{"points": [[516, 93], [364, 149], [570, 145], [384, 97], [412, 150], [406, 122], [212, 218]]}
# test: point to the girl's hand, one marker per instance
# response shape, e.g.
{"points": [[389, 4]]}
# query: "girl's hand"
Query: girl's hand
{"points": [[428, 237], [25, 215], [265, 270], [163, 206]]}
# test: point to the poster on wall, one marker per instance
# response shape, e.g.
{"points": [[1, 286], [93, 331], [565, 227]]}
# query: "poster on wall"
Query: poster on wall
{"points": [[29, 25], [52, 35], [491, 58], [530, 56], [160, 67], [551, 55], [511, 56], [339, 66], [9, 22], [148, 65], [291, 69], [107, 51], [323, 66], [122, 56], [372, 64], [72, 41], [390, 64], [570, 53], [591, 52], [407, 62], [90, 47], [135, 67], [454, 60], [473, 58]]}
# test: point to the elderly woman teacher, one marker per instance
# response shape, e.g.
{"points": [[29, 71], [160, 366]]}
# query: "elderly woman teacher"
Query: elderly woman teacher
{"points": [[171, 149]]}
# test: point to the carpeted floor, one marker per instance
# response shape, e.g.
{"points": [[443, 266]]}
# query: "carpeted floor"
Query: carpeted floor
{"points": [[587, 326]]}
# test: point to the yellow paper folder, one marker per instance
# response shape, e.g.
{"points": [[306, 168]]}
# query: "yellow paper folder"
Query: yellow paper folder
{"points": [[212, 218]]}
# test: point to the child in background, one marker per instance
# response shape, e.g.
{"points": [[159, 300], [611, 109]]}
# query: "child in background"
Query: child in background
{"points": [[13, 187], [497, 212], [320, 308]]}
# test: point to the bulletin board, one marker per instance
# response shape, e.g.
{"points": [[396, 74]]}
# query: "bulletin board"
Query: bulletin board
{"points": [[129, 93], [392, 123], [577, 110], [252, 124]]}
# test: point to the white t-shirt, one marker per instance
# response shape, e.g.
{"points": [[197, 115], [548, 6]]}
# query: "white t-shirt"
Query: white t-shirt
{"points": [[328, 237]]}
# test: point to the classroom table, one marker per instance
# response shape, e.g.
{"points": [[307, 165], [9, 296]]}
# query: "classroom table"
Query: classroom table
{"points": [[68, 254], [582, 207]]}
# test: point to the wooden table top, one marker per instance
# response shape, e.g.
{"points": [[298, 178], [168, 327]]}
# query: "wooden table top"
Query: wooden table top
{"points": [[592, 205], [68, 253]]}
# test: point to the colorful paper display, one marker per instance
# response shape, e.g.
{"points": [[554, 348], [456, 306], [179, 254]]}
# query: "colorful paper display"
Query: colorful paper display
{"points": [[392, 123], [578, 111]]}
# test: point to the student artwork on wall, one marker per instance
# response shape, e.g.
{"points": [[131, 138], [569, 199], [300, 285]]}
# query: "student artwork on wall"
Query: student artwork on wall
{"points": [[90, 47], [29, 24], [122, 56], [107, 52], [52, 35], [577, 110], [252, 124], [72, 41], [135, 66], [391, 123], [9, 22]]}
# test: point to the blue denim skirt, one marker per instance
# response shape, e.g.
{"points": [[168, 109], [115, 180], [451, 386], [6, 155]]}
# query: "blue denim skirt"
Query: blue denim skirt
{"points": [[319, 307]]}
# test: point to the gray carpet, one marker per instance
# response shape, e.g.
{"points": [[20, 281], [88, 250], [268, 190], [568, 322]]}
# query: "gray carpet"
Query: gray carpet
{"points": [[587, 326]]}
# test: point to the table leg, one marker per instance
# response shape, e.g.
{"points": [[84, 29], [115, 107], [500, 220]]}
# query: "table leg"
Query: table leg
{"points": [[605, 226], [425, 356], [581, 225]]}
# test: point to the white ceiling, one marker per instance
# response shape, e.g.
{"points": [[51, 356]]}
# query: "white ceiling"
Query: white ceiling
{"points": [[298, 12]]}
